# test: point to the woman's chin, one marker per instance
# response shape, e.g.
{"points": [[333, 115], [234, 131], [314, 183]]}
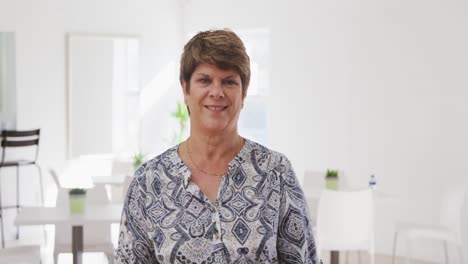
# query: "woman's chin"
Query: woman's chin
{"points": [[215, 127]]}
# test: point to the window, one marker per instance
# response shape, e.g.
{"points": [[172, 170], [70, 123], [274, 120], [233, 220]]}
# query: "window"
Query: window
{"points": [[253, 119]]}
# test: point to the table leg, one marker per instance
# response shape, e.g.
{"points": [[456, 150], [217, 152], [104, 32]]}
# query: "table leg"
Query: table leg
{"points": [[77, 244], [334, 257]]}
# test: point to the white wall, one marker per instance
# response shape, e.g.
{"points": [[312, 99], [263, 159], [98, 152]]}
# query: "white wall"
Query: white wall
{"points": [[372, 87], [202, 15], [40, 28]]}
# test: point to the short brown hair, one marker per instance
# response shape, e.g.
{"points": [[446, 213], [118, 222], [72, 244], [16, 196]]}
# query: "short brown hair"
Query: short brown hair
{"points": [[222, 48]]}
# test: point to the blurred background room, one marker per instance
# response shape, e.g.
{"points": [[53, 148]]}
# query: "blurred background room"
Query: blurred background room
{"points": [[361, 87]]}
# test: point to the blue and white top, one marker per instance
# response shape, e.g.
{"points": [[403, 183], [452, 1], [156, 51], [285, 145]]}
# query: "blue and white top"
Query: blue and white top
{"points": [[260, 216]]}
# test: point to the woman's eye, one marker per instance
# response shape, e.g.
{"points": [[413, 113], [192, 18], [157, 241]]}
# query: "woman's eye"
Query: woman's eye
{"points": [[204, 80], [231, 82]]}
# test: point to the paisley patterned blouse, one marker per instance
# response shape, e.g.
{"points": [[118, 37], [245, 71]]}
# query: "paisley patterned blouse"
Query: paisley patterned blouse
{"points": [[260, 215]]}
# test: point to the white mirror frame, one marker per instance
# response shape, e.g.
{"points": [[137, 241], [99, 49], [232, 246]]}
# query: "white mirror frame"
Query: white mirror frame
{"points": [[68, 78], [8, 56]]}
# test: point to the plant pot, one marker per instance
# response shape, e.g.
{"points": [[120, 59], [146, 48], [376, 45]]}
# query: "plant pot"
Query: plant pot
{"points": [[331, 183], [77, 203]]}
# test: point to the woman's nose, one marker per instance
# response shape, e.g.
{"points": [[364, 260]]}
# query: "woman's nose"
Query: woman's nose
{"points": [[216, 90]]}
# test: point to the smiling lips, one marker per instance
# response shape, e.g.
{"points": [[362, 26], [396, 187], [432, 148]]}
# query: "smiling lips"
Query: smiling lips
{"points": [[215, 108]]}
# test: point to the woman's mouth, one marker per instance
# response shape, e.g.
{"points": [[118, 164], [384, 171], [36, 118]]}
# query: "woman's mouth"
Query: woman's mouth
{"points": [[216, 108]]}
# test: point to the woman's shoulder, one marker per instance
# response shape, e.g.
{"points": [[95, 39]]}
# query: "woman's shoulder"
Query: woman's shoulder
{"points": [[272, 157], [165, 159]]}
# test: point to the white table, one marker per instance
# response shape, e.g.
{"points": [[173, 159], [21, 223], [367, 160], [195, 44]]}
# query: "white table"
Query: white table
{"points": [[106, 213], [314, 194], [114, 180]]}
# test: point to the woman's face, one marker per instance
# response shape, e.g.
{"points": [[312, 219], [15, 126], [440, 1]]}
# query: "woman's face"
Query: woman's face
{"points": [[215, 98]]}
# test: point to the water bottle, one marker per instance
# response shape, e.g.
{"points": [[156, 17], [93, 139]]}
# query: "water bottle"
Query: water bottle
{"points": [[372, 182]]}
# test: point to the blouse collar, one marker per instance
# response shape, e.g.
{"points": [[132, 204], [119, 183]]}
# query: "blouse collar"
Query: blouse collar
{"points": [[186, 175]]}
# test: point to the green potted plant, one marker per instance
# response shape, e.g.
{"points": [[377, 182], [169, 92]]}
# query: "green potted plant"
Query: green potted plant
{"points": [[182, 115], [77, 200], [138, 159], [331, 179]]}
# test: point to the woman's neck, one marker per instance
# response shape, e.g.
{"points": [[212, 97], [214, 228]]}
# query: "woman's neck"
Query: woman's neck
{"points": [[214, 147]]}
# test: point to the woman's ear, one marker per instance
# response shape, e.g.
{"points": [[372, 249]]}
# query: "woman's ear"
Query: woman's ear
{"points": [[184, 88], [186, 94]]}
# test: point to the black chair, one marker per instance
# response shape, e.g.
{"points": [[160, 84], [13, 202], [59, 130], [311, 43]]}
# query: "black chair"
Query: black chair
{"points": [[18, 139]]}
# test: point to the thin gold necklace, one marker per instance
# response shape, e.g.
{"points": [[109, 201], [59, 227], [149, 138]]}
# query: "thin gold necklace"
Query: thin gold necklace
{"points": [[198, 167]]}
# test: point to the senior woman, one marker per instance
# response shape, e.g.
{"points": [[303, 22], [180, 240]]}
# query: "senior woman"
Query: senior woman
{"points": [[217, 197]]}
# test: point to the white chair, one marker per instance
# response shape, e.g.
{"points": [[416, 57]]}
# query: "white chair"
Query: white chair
{"points": [[345, 221], [96, 237], [314, 183], [448, 230], [20, 255]]}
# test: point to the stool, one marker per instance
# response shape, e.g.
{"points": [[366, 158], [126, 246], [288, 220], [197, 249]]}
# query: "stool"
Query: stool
{"points": [[18, 139]]}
